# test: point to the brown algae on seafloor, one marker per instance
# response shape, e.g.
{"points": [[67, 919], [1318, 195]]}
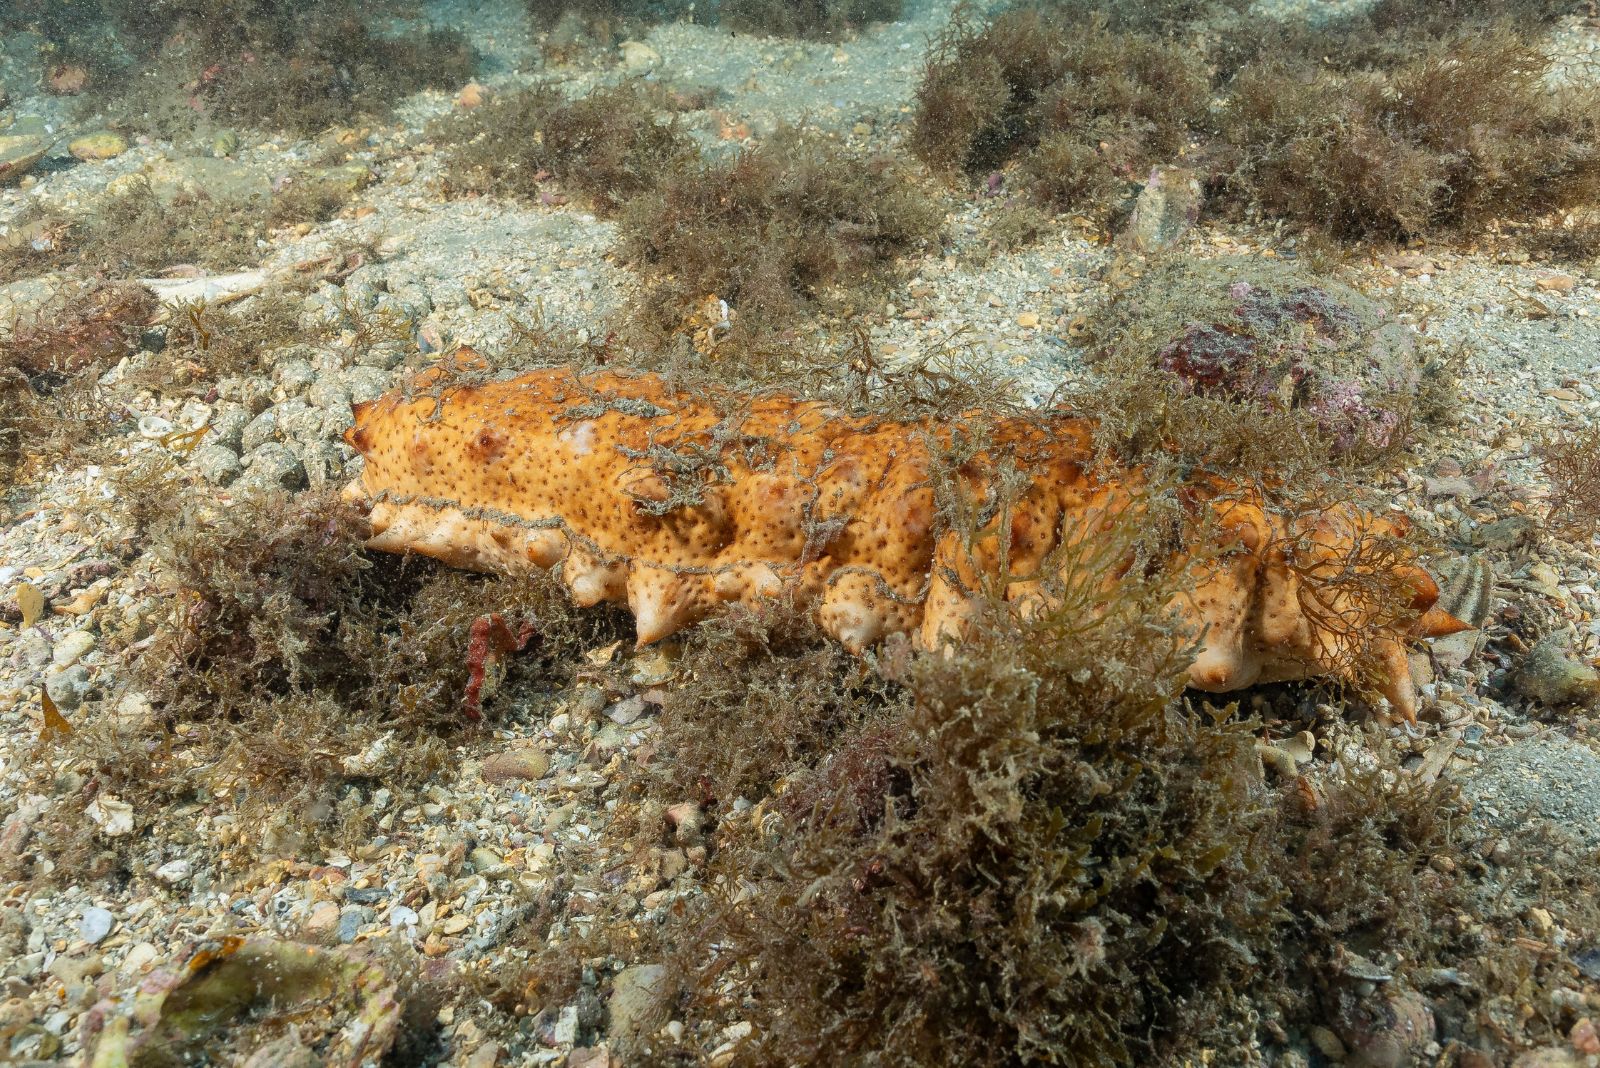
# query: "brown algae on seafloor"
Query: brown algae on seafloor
{"points": [[742, 843], [1388, 123]]}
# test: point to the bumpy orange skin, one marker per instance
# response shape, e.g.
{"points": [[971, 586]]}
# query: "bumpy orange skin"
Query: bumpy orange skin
{"points": [[674, 506]]}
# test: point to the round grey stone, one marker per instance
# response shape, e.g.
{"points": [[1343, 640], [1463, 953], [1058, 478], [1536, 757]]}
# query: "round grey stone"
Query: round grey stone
{"points": [[252, 393], [273, 466], [323, 464], [97, 923], [383, 354], [641, 1000], [362, 288], [294, 375], [350, 922], [330, 392], [366, 383], [1553, 675], [262, 429], [415, 297], [68, 688], [335, 421], [71, 648], [175, 872], [227, 426], [306, 427], [281, 421], [217, 464], [33, 649]]}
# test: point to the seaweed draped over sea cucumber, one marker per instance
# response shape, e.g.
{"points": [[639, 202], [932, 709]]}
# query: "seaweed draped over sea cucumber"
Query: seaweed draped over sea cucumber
{"points": [[674, 504]]}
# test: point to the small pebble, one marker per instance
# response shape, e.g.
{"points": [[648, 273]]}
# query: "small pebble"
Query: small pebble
{"points": [[523, 763], [175, 872], [72, 648], [1585, 1037], [139, 955], [636, 55], [100, 145], [323, 923], [627, 711], [68, 688], [97, 923]]}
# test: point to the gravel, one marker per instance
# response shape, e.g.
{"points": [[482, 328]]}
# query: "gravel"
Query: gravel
{"points": [[1540, 780], [532, 797]]}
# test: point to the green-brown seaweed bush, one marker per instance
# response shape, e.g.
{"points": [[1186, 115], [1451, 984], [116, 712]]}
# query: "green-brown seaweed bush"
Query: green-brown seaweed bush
{"points": [[805, 18], [1381, 36], [765, 696], [273, 64], [140, 229], [1168, 17], [1452, 140], [608, 146], [1396, 123], [795, 222], [1572, 462], [275, 598], [51, 359], [606, 19], [1088, 109], [295, 673], [1034, 849], [606, 15], [73, 32]]}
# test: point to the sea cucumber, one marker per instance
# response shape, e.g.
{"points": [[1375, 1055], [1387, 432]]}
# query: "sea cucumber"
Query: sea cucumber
{"points": [[674, 504]]}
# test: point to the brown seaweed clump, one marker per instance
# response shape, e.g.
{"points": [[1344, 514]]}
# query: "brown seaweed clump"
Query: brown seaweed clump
{"points": [[1450, 140], [1086, 108], [796, 223], [599, 21], [1034, 848], [568, 24], [608, 146], [1403, 121], [173, 64], [1028, 847], [138, 231], [805, 18], [97, 323], [1572, 462], [76, 38], [51, 358], [149, 226], [295, 674]]}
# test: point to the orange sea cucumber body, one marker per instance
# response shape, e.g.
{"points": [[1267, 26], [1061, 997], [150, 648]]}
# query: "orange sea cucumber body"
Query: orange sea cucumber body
{"points": [[674, 505]]}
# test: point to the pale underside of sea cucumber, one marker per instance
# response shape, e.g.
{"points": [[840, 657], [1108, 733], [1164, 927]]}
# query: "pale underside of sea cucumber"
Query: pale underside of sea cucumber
{"points": [[674, 505]]}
